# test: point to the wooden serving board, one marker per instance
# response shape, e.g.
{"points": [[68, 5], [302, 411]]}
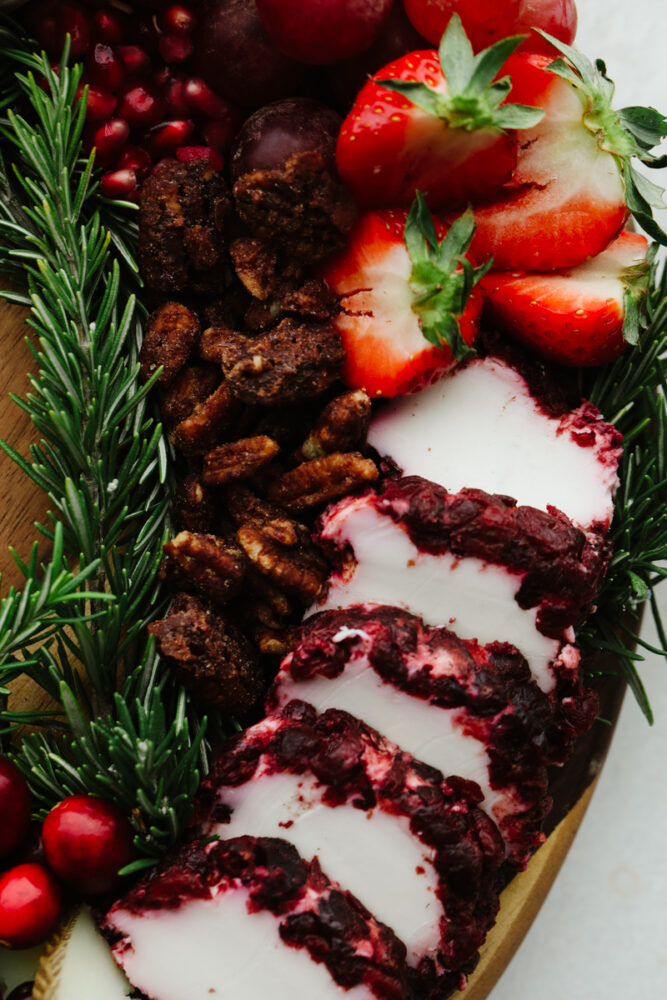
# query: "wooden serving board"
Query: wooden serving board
{"points": [[572, 786]]}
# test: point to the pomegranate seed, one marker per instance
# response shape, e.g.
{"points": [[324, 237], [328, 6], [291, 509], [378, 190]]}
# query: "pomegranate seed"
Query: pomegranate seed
{"points": [[218, 133], [137, 159], [118, 183], [101, 103], [178, 106], [201, 98], [105, 69], [108, 26], [75, 22], [45, 24], [169, 135], [162, 77], [109, 140], [177, 20], [175, 48], [137, 62], [141, 107], [187, 153]]}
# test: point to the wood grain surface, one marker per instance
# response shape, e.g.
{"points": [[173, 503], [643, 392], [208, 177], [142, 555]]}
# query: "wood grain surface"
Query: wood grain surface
{"points": [[24, 504]]}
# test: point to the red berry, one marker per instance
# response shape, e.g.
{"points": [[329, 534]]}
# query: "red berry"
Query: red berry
{"points": [[137, 159], [175, 48], [202, 100], [30, 901], [176, 103], [219, 134], [141, 107], [105, 69], [188, 153], [169, 135], [177, 20], [75, 22], [322, 31], [86, 842], [137, 62], [118, 183], [108, 26], [14, 806], [109, 140], [101, 104]]}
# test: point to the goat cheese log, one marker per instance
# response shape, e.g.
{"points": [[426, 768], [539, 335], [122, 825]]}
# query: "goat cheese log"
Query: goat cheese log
{"points": [[469, 710], [413, 847]]}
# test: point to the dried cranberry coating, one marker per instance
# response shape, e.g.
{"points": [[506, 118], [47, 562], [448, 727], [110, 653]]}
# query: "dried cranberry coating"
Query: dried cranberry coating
{"points": [[561, 569], [315, 913], [355, 765], [491, 688]]}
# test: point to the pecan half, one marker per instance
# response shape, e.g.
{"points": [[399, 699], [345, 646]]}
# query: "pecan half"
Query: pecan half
{"points": [[322, 479], [205, 563], [238, 459], [207, 423], [209, 655], [171, 333], [192, 385], [182, 218], [193, 509], [291, 362], [342, 425], [299, 570]]}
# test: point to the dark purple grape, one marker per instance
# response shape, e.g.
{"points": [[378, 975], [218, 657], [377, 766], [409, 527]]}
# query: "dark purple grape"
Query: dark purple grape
{"points": [[397, 37], [320, 32], [22, 992], [235, 57], [279, 130]]}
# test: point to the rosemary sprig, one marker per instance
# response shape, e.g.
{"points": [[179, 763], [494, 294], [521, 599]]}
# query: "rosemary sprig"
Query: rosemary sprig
{"points": [[631, 394], [121, 728]]}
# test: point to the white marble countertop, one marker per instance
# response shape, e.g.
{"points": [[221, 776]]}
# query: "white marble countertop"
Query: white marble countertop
{"points": [[602, 933]]}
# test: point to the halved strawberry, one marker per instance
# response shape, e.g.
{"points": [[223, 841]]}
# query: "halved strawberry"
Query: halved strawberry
{"points": [[574, 182], [436, 123], [409, 311], [583, 316]]}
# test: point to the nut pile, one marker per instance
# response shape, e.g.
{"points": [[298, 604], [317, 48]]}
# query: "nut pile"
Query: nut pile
{"points": [[249, 362]]}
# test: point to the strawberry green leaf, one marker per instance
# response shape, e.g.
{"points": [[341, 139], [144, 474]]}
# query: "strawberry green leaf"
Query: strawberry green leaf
{"points": [[647, 125], [418, 94], [456, 56], [442, 277], [518, 116], [490, 61]]}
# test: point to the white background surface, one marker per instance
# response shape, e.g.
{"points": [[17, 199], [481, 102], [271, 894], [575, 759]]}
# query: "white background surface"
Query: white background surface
{"points": [[602, 933]]}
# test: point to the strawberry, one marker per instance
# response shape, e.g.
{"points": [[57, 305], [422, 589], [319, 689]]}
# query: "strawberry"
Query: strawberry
{"points": [[574, 181], [433, 122], [583, 316], [408, 315]]}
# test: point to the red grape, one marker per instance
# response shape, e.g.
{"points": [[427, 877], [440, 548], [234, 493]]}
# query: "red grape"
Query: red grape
{"points": [[323, 31], [235, 57], [487, 21], [14, 806], [30, 902]]}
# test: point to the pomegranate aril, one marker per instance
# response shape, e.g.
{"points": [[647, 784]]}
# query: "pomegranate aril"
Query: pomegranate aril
{"points": [[188, 153], [109, 140], [175, 48], [177, 105], [118, 183], [75, 22], [108, 26], [136, 60], [219, 134], [201, 99], [137, 159], [101, 104], [105, 69], [177, 20], [169, 135], [141, 107]]}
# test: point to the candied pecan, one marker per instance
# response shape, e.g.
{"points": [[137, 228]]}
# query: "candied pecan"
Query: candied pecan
{"points": [[342, 425], [171, 334], [238, 459], [182, 215], [205, 425], [322, 479], [206, 564], [209, 655], [213, 340], [312, 300], [292, 362], [192, 386], [193, 510], [302, 205], [299, 569], [274, 642], [257, 268], [228, 309], [270, 605]]}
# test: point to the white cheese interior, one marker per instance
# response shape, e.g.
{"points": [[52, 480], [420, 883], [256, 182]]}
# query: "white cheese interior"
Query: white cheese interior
{"points": [[431, 734], [481, 428], [473, 598], [372, 854], [214, 948]]}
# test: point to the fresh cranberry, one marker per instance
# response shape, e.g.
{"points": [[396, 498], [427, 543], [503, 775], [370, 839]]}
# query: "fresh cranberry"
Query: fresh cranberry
{"points": [[14, 807], [86, 842], [30, 902]]}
